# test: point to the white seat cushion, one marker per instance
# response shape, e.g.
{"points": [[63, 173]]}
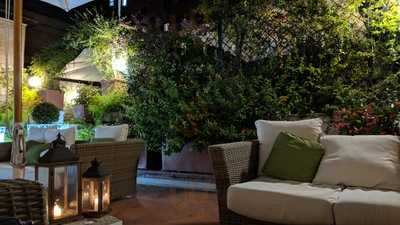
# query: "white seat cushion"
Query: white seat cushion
{"points": [[367, 207], [118, 133], [47, 135], [268, 131], [283, 202], [36, 134], [370, 161]]}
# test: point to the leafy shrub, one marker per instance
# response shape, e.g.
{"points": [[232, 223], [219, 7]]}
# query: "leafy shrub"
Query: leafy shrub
{"points": [[49, 63], [311, 57], [107, 108], [318, 57], [45, 112], [86, 96], [177, 96], [30, 98], [368, 120]]}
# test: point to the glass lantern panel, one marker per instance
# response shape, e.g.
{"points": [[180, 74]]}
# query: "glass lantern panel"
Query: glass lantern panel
{"points": [[106, 193], [43, 176], [65, 191], [90, 195], [29, 173]]}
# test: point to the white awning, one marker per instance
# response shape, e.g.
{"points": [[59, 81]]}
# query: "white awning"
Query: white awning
{"points": [[82, 69], [67, 4]]}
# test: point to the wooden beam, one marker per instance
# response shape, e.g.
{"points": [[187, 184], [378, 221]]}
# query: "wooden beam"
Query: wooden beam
{"points": [[17, 61]]}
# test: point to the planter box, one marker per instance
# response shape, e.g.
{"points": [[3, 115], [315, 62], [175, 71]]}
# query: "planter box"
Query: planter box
{"points": [[188, 160], [53, 96]]}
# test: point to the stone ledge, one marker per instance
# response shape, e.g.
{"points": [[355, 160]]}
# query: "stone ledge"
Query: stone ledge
{"points": [[105, 220]]}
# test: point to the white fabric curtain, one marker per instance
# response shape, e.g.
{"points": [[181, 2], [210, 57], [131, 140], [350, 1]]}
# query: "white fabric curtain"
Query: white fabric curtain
{"points": [[6, 53], [7, 43]]}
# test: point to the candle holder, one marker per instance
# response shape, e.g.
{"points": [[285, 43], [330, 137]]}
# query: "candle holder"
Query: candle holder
{"points": [[95, 191], [58, 170]]}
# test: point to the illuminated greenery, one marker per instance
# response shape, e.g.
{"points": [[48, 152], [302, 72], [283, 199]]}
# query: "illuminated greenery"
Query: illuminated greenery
{"points": [[105, 37], [310, 57], [30, 98], [291, 58], [101, 106], [50, 62]]}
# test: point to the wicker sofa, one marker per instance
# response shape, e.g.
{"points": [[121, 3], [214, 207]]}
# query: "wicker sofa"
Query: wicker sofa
{"points": [[357, 182], [234, 163], [119, 158]]}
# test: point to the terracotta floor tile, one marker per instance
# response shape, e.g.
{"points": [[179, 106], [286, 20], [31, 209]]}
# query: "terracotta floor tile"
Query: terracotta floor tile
{"points": [[159, 206]]}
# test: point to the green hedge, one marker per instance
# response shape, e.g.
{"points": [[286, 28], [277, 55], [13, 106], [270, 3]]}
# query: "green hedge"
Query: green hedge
{"points": [[336, 56]]}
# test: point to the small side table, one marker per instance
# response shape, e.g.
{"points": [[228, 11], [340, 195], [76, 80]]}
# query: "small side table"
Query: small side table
{"points": [[105, 220]]}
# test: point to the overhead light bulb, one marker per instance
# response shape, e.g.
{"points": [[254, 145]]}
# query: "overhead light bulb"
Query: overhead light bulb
{"points": [[35, 82], [120, 64]]}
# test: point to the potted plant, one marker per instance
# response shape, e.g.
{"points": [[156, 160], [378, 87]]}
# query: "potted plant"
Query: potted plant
{"points": [[45, 113]]}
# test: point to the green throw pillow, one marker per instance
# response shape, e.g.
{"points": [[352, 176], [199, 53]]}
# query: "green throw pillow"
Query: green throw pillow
{"points": [[293, 158], [33, 151]]}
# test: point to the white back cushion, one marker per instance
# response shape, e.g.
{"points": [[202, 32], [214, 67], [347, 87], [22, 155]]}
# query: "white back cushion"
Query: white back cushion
{"points": [[370, 161], [268, 131], [68, 134], [36, 134], [118, 133]]}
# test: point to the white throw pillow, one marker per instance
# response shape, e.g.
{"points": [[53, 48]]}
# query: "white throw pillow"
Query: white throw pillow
{"points": [[268, 131], [36, 134], [118, 133], [370, 161], [68, 134]]}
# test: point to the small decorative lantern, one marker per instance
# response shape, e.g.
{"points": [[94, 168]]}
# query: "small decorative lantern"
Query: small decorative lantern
{"points": [[95, 191], [59, 171]]}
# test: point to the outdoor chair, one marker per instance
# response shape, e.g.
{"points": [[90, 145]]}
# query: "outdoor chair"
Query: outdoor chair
{"points": [[120, 159]]}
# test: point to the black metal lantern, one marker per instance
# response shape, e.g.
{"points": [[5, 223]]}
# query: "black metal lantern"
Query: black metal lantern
{"points": [[59, 171], [95, 191]]}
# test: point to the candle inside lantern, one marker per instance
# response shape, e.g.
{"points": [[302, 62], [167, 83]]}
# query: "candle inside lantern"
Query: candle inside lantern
{"points": [[57, 211], [85, 196], [96, 204]]}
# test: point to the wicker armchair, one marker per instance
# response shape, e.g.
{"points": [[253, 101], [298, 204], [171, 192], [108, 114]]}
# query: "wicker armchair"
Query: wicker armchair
{"points": [[234, 163], [119, 158], [23, 200]]}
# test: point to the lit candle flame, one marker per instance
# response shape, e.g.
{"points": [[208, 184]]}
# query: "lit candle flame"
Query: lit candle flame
{"points": [[96, 204], [57, 211]]}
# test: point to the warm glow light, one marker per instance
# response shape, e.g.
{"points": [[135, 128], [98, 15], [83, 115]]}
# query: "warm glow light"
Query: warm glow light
{"points": [[70, 96], [57, 211], [85, 196], [96, 204], [35, 82], [105, 197], [119, 63]]}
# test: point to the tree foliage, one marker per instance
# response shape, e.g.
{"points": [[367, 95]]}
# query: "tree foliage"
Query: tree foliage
{"points": [[289, 58]]}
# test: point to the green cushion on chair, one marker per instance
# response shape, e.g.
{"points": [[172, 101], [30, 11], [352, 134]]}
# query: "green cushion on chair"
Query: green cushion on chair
{"points": [[293, 158], [34, 149]]}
